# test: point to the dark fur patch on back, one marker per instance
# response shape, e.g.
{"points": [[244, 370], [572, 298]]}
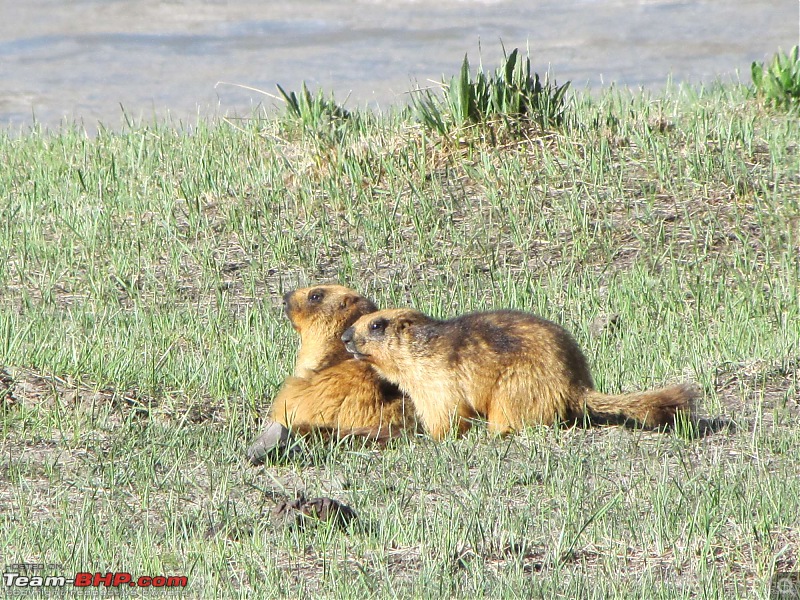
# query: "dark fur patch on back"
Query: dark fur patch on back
{"points": [[489, 330], [579, 373], [500, 340]]}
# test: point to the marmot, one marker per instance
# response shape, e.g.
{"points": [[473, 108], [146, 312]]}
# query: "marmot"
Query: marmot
{"points": [[330, 391], [509, 367]]}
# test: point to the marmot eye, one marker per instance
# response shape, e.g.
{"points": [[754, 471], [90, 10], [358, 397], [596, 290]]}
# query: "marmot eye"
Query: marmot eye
{"points": [[315, 296], [378, 325]]}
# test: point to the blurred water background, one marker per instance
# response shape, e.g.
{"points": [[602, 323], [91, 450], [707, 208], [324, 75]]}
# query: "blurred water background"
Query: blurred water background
{"points": [[85, 60]]}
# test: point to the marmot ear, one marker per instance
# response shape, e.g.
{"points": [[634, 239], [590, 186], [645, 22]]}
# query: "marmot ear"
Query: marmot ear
{"points": [[364, 305], [367, 306], [403, 323]]}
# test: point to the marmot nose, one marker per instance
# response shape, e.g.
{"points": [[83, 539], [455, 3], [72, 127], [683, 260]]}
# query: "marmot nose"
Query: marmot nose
{"points": [[286, 297], [347, 336]]}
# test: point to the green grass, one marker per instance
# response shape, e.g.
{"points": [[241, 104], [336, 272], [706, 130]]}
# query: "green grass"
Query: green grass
{"points": [[513, 95], [779, 82], [140, 328]]}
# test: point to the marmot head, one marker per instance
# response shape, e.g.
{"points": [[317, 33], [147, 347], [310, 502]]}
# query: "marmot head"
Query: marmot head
{"points": [[389, 340], [325, 310], [320, 314]]}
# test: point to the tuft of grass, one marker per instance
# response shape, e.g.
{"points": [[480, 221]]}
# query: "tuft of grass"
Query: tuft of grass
{"points": [[512, 93], [313, 110], [778, 82]]}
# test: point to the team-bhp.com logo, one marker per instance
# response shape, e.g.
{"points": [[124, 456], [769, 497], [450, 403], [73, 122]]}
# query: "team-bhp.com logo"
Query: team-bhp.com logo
{"points": [[14, 578]]}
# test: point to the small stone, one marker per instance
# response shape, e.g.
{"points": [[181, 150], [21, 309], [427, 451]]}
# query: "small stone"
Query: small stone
{"points": [[604, 324], [275, 441], [302, 512]]}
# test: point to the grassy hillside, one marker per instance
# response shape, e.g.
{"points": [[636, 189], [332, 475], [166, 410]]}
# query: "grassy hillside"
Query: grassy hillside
{"points": [[141, 338]]}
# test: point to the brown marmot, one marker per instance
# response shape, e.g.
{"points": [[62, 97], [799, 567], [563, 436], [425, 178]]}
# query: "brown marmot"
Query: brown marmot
{"points": [[330, 391], [509, 367]]}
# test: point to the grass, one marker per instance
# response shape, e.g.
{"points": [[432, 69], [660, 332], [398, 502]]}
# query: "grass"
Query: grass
{"points": [[140, 273], [779, 82], [513, 94]]}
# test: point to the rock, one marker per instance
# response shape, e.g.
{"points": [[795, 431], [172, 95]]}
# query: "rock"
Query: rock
{"points": [[302, 512], [275, 441], [604, 324]]}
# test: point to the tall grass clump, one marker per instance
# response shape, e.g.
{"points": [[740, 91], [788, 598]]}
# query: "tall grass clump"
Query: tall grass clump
{"points": [[512, 93], [779, 81], [313, 110]]}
